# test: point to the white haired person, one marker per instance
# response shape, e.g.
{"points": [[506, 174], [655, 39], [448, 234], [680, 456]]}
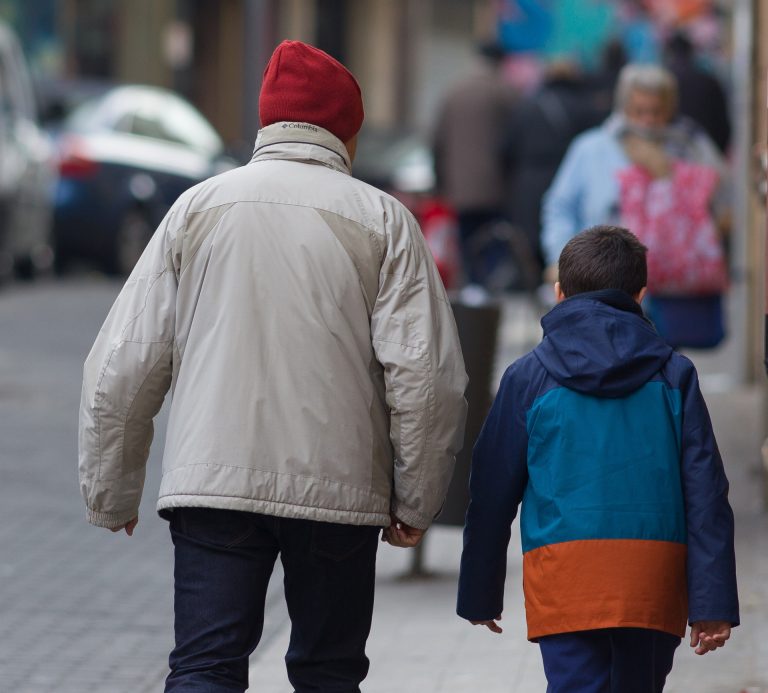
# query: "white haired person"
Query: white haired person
{"points": [[643, 130], [660, 175]]}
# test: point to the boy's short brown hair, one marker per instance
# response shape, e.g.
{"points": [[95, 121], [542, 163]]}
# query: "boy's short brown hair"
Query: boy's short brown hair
{"points": [[603, 257]]}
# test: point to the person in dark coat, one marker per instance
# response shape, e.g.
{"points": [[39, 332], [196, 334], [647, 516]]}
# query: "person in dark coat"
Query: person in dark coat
{"points": [[602, 433], [540, 130], [700, 95], [468, 150]]}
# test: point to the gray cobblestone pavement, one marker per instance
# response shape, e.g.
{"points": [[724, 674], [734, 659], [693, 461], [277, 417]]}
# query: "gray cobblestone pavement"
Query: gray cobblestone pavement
{"points": [[81, 609], [84, 610]]}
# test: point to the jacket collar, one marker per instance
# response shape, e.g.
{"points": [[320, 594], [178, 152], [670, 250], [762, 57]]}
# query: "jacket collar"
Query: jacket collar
{"points": [[304, 142], [676, 136], [611, 297], [599, 343]]}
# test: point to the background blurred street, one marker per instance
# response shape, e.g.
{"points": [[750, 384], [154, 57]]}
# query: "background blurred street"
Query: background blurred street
{"points": [[110, 108], [85, 610]]}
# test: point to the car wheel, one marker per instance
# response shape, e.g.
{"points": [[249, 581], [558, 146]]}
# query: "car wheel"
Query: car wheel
{"points": [[39, 260], [6, 267], [131, 239], [24, 268], [61, 262], [6, 254]]}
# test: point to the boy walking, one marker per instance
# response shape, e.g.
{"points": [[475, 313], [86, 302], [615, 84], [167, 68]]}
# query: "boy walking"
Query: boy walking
{"points": [[602, 434]]}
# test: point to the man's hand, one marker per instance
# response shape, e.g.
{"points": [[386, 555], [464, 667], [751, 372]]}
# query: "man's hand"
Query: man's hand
{"points": [[707, 636], [491, 624], [400, 534], [128, 526]]}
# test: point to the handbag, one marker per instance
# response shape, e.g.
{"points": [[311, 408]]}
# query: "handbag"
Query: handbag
{"points": [[687, 271], [671, 217]]}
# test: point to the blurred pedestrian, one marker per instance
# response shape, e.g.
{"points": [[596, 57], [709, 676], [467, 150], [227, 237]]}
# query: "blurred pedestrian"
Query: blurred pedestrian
{"points": [[662, 176], [700, 94], [601, 432], [468, 142], [643, 130], [539, 133], [603, 80], [317, 379]]}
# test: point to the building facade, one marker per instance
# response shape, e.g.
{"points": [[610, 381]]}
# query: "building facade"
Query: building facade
{"points": [[404, 52]]}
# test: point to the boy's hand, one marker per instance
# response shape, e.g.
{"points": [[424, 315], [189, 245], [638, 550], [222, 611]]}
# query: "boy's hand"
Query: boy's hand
{"points": [[491, 624], [707, 636], [400, 534]]}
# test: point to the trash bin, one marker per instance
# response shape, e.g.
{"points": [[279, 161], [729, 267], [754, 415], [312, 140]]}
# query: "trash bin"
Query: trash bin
{"points": [[477, 321]]}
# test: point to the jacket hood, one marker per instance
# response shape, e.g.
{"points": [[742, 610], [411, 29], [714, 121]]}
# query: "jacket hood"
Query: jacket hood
{"points": [[599, 343]]}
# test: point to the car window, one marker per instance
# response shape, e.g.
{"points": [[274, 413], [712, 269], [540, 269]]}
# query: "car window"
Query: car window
{"points": [[124, 123], [15, 90], [6, 104], [171, 119], [148, 113], [23, 84], [148, 126]]}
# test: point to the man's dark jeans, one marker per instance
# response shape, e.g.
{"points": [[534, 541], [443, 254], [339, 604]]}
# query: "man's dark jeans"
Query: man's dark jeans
{"points": [[224, 559]]}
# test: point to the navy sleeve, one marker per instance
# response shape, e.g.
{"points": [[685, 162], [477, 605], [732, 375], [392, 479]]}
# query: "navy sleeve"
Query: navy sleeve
{"points": [[712, 594], [497, 482]]}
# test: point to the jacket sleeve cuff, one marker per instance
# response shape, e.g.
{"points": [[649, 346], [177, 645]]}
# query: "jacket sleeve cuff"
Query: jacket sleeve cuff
{"points": [[411, 517], [728, 617], [110, 520]]}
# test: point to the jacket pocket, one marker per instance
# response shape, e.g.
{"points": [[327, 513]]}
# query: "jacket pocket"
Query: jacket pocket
{"points": [[337, 542], [224, 528]]}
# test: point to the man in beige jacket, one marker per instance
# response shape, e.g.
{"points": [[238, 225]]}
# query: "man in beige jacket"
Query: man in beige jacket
{"points": [[298, 318]]}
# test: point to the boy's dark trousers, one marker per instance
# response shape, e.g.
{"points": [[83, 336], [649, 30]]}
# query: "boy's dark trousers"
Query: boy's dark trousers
{"points": [[223, 562], [608, 660]]}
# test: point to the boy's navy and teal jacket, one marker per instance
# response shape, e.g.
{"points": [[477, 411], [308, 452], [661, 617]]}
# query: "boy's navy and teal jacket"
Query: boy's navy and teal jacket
{"points": [[601, 432]]}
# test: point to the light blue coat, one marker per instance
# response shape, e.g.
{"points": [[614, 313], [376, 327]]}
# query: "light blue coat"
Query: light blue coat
{"points": [[585, 191]]}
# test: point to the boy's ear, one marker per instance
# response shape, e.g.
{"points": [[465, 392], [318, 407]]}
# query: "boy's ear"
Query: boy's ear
{"points": [[559, 295], [641, 294]]}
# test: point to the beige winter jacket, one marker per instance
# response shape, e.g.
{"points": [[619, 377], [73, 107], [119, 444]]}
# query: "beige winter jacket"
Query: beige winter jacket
{"points": [[298, 318]]}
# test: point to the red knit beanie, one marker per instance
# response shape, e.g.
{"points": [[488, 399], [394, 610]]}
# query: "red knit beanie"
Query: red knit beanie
{"points": [[302, 83]]}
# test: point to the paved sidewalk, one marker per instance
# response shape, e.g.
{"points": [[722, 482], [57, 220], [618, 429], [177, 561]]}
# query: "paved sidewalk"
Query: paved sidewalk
{"points": [[85, 610]]}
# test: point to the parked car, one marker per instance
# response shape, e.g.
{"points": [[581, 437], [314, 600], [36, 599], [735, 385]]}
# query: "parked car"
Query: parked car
{"points": [[124, 158], [27, 171]]}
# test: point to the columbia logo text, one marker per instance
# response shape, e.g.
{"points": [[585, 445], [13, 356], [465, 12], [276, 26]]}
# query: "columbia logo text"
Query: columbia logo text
{"points": [[299, 126]]}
